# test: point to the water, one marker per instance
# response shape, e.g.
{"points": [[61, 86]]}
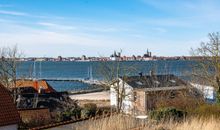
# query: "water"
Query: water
{"points": [[83, 70]]}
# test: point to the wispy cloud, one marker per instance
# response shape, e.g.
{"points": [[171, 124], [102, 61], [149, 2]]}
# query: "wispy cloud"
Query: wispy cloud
{"points": [[184, 20], [88, 27], [102, 29], [15, 13], [56, 26]]}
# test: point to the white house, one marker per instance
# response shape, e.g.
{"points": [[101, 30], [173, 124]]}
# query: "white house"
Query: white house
{"points": [[138, 92], [9, 117], [208, 92], [124, 90]]}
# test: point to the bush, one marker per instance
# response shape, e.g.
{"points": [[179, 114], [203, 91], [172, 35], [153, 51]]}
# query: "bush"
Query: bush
{"points": [[167, 114], [69, 114], [104, 110], [183, 103], [88, 110], [76, 113], [66, 115]]}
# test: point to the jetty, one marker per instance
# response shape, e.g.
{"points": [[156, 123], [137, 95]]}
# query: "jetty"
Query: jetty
{"points": [[83, 80]]}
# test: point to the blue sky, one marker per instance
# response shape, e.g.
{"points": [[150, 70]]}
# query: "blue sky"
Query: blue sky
{"points": [[98, 27]]}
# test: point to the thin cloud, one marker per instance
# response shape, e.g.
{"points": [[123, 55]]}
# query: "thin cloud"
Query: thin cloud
{"points": [[57, 26], [14, 13]]}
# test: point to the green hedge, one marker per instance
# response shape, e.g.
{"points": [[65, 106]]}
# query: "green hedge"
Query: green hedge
{"points": [[89, 110], [164, 114]]}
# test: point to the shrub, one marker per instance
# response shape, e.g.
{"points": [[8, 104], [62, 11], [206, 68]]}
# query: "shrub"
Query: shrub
{"points": [[85, 113], [76, 113], [88, 110], [167, 114], [181, 102], [104, 110], [69, 114], [66, 115]]}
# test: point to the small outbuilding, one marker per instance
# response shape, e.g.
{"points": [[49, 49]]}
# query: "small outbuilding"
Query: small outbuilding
{"points": [[139, 94]]}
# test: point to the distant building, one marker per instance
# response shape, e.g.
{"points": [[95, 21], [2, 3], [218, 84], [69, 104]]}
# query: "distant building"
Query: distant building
{"points": [[115, 56], [134, 57], [9, 117], [59, 58], [83, 58], [147, 54], [142, 92], [139, 58], [41, 59]]}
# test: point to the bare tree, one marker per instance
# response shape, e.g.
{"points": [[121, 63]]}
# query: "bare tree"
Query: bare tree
{"points": [[8, 67], [114, 75], [207, 69]]}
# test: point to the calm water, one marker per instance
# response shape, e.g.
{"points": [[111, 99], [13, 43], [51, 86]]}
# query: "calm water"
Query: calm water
{"points": [[84, 70]]}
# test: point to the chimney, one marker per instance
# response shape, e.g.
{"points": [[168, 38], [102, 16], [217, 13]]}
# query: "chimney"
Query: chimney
{"points": [[140, 74], [151, 73], [36, 85]]}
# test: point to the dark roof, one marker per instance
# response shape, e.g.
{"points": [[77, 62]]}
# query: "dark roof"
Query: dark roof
{"points": [[162, 89], [8, 112], [154, 81]]}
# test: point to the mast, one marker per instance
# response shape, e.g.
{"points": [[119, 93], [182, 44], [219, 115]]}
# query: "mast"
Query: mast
{"points": [[91, 77], [34, 71], [40, 70]]}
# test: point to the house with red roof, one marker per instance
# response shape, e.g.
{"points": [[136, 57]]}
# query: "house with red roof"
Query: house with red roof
{"points": [[9, 117], [39, 86]]}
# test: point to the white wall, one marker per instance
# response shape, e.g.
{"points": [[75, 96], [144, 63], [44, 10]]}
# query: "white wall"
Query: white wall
{"points": [[208, 91], [113, 96], [9, 127], [127, 105]]}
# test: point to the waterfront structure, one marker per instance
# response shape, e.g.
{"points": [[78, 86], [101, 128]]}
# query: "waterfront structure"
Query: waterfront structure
{"points": [[9, 117], [140, 93]]}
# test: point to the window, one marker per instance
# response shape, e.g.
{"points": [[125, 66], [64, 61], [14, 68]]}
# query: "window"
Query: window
{"points": [[135, 96], [172, 94]]}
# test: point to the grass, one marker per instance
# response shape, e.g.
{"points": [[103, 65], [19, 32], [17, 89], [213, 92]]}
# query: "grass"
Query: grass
{"points": [[190, 124], [115, 122], [120, 122]]}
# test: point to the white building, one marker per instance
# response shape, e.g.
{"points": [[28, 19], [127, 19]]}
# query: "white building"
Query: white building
{"points": [[124, 90], [137, 93], [208, 92]]}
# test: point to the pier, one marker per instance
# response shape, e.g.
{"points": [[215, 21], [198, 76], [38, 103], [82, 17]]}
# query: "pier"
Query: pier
{"points": [[83, 80]]}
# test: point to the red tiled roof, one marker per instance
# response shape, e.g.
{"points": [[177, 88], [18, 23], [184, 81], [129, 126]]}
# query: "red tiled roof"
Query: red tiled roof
{"points": [[35, 84], [8, 112]]}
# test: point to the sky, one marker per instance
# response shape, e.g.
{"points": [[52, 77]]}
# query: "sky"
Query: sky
{"points": [[98, 27]]}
